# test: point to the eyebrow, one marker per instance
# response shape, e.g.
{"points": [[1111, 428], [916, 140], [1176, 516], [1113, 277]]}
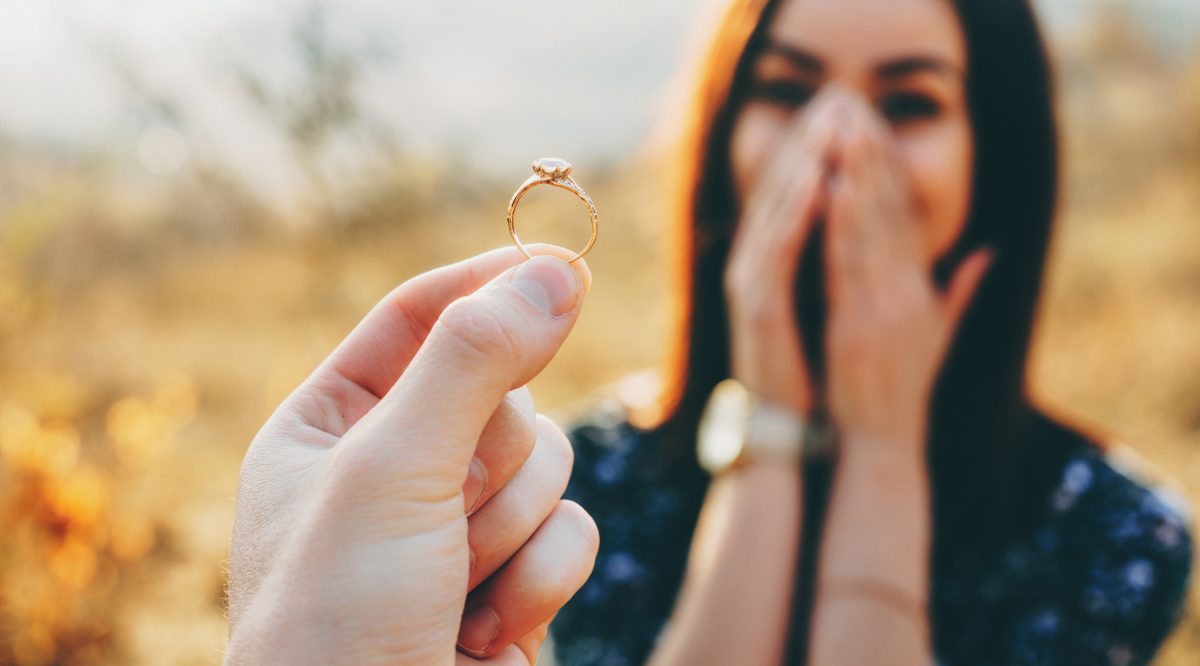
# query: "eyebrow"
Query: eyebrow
{"points": [[891, 69]]}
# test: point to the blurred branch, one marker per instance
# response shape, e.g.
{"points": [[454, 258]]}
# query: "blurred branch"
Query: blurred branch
{"points": [[321, 104]]}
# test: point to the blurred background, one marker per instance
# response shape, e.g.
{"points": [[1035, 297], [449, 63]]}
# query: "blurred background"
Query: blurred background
{"points": [[199, 199]]}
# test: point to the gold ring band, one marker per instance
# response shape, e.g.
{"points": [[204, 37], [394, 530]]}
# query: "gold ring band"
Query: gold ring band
{"points": [[556, 172]]}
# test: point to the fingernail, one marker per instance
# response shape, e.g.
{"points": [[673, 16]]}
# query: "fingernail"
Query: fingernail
{"points": [[480, 628], [474, 487], [549, 283]]}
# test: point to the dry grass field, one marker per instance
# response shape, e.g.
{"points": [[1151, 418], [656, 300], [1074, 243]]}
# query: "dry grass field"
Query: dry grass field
{"points": [[147, 328]]}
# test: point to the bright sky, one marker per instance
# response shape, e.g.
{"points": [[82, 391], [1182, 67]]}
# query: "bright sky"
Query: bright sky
{"points": [[450, 73]]}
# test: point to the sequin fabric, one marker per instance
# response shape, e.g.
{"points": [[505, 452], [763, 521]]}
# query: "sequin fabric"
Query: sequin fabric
{"points": [[1101, 580]]}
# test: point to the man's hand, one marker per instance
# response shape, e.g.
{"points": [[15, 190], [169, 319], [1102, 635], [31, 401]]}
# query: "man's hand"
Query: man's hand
{"points": [[409, 479]]}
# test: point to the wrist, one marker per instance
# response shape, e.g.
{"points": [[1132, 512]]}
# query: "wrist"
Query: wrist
{"points": [[750, 310], [893, 442], [881, 460], [755, 472], [738, 428]]}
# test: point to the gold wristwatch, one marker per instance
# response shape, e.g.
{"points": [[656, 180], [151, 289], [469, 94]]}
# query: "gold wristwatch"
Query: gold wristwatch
{"points": [[737, 428]]}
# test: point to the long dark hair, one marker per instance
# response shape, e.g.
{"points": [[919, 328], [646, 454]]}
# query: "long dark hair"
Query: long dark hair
{"points": [[988, 463]]}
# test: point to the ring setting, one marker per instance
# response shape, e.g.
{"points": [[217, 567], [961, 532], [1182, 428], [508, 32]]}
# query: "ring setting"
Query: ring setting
{"points": [[555, 172]]}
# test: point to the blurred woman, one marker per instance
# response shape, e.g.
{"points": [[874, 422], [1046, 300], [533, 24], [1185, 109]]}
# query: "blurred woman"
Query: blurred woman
{"points": [[870, 191]]}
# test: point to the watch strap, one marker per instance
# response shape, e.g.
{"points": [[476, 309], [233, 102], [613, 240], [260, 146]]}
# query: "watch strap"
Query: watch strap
{"points": [[820, 438], [775, 434]]}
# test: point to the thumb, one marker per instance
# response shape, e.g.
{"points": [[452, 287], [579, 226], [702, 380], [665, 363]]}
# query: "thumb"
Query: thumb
{"points": [[964, 284], [482, 346]]}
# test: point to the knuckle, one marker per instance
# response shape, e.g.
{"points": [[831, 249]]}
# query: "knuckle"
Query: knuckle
{"points": [[480, 329], [522, 399], [399, 300], [566, 566], [581, 522], [539, 634], [736, 279], [513, 423], [558, 446], [730, 282]]}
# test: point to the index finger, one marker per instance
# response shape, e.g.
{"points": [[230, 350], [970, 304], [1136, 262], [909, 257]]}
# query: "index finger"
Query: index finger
{"points": [[365, 366], [415, 445], [799, 146]]}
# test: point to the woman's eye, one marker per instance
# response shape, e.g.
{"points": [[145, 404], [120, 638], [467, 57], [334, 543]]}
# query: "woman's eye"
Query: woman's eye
{"points": [[783, 93], [907, 107]]}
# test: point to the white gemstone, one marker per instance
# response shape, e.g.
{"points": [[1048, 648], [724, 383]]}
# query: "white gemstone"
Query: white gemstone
{"points": [[552, 167]]}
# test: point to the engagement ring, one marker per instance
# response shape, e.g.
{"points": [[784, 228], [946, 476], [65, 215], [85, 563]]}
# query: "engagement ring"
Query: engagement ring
{"points": [[556, 172]]}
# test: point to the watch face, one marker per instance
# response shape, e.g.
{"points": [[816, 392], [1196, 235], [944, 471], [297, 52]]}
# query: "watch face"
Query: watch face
{"points": [[722, 431]]}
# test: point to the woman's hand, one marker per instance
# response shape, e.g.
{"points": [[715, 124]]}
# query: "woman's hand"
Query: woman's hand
{"points": [[889, 328], [760, 276], [742, 562], [409, 477]]}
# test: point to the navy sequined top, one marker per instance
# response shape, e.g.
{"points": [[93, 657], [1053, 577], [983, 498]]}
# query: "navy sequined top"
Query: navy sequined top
{"points": [[1102, 580]]}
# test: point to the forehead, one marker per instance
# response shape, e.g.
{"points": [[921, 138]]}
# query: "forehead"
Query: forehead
{"points": [[860, 33]]}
